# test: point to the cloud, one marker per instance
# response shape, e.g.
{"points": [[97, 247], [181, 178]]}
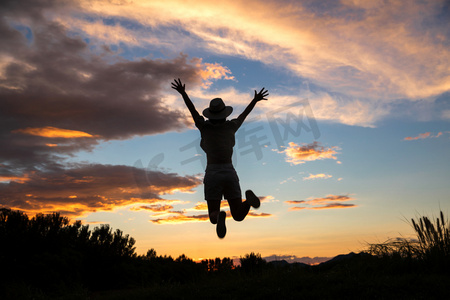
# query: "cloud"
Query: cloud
{"points": [[154, 208], [360, 58], [224, 204], [62, 94], [317, 176], [374, 51], [89, 188], [329, 198], [354, 111], [56, 93], [328, 202], [214, 71], [201, 206], [295, 201], [52, 132], [335, 205], [420, 136], [19, 179], [258, 215], [172, 217], [297, 154], [445, 114], [425, 135], [181, 218], [297, 208], [59, 96]]}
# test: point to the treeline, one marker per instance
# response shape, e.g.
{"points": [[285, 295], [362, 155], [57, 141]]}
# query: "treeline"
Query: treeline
{"points": [[49, 254], [47, 257]]}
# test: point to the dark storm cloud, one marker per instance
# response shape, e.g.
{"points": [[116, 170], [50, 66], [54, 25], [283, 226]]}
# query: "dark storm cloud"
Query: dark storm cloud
{"points": [[88, 188], [50, 78], [52, 81]]}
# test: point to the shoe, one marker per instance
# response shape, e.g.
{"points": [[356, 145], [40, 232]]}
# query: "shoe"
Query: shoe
{"points": [[221, 229], [252, 199]]}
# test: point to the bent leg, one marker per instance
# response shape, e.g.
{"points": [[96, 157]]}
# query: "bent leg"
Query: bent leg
{"points": [[239, 209], [213, 210]]}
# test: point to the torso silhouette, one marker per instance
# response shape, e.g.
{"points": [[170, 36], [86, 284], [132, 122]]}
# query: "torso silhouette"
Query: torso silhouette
{"points": [[217, 139]]}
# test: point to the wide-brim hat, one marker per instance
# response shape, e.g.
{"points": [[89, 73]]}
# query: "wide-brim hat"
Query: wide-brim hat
{"points": [[217, 110]]}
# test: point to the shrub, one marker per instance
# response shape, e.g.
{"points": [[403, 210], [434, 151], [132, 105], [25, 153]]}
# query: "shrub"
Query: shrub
{"points": [[252, 262], [433, 239], [432, 245]]}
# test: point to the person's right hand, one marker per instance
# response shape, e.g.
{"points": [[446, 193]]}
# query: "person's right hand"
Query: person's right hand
{"points": [[177, 85], [261, 95]]}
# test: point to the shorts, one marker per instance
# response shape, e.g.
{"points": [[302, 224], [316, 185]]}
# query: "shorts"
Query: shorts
{"points": [[221, 180]]}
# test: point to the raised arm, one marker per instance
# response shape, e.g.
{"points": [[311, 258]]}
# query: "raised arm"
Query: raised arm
{"points": [[180, 88], [258, 97]]}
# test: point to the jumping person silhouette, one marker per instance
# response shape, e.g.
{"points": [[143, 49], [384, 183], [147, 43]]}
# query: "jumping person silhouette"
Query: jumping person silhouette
{"points": [[217, 140]]}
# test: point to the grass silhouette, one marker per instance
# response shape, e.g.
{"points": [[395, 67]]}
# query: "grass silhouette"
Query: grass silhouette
{"points": [[434, 239], [430, 248]]}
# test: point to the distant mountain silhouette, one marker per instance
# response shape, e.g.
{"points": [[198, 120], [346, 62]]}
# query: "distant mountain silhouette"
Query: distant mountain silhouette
{"points": [[294, 259], [284, 263], [341, 258]]}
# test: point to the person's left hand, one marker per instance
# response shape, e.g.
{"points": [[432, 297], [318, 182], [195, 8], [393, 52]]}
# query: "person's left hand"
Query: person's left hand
{"points": [[261, 95]]}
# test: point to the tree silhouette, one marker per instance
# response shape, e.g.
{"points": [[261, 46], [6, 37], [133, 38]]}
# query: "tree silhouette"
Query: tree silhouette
{"points": [[252, 262], [49, 252], [217, 265]]}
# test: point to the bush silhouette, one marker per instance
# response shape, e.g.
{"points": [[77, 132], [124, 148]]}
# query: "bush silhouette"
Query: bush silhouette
{"points": [[49, 252], [430, 249], [252, 262], [218, 265]]}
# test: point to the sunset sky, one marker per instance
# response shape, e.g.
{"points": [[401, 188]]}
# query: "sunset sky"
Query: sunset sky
{"points": [[352, 142]]}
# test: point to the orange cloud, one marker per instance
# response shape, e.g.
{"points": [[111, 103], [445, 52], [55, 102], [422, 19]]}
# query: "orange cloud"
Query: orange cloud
{"points": [[154, 208], [209, 72], [300, 154], [181, 219], [224, 204], [423, 136], [393, 61], [327, 202], [335, 205], [258, 215], [204, 205], [295, 201], [201, 206], [90, 188], [298, 208], [18, 179], [316, 176], [420, 136], [329, 198], [267, 199], [52, 132]]}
